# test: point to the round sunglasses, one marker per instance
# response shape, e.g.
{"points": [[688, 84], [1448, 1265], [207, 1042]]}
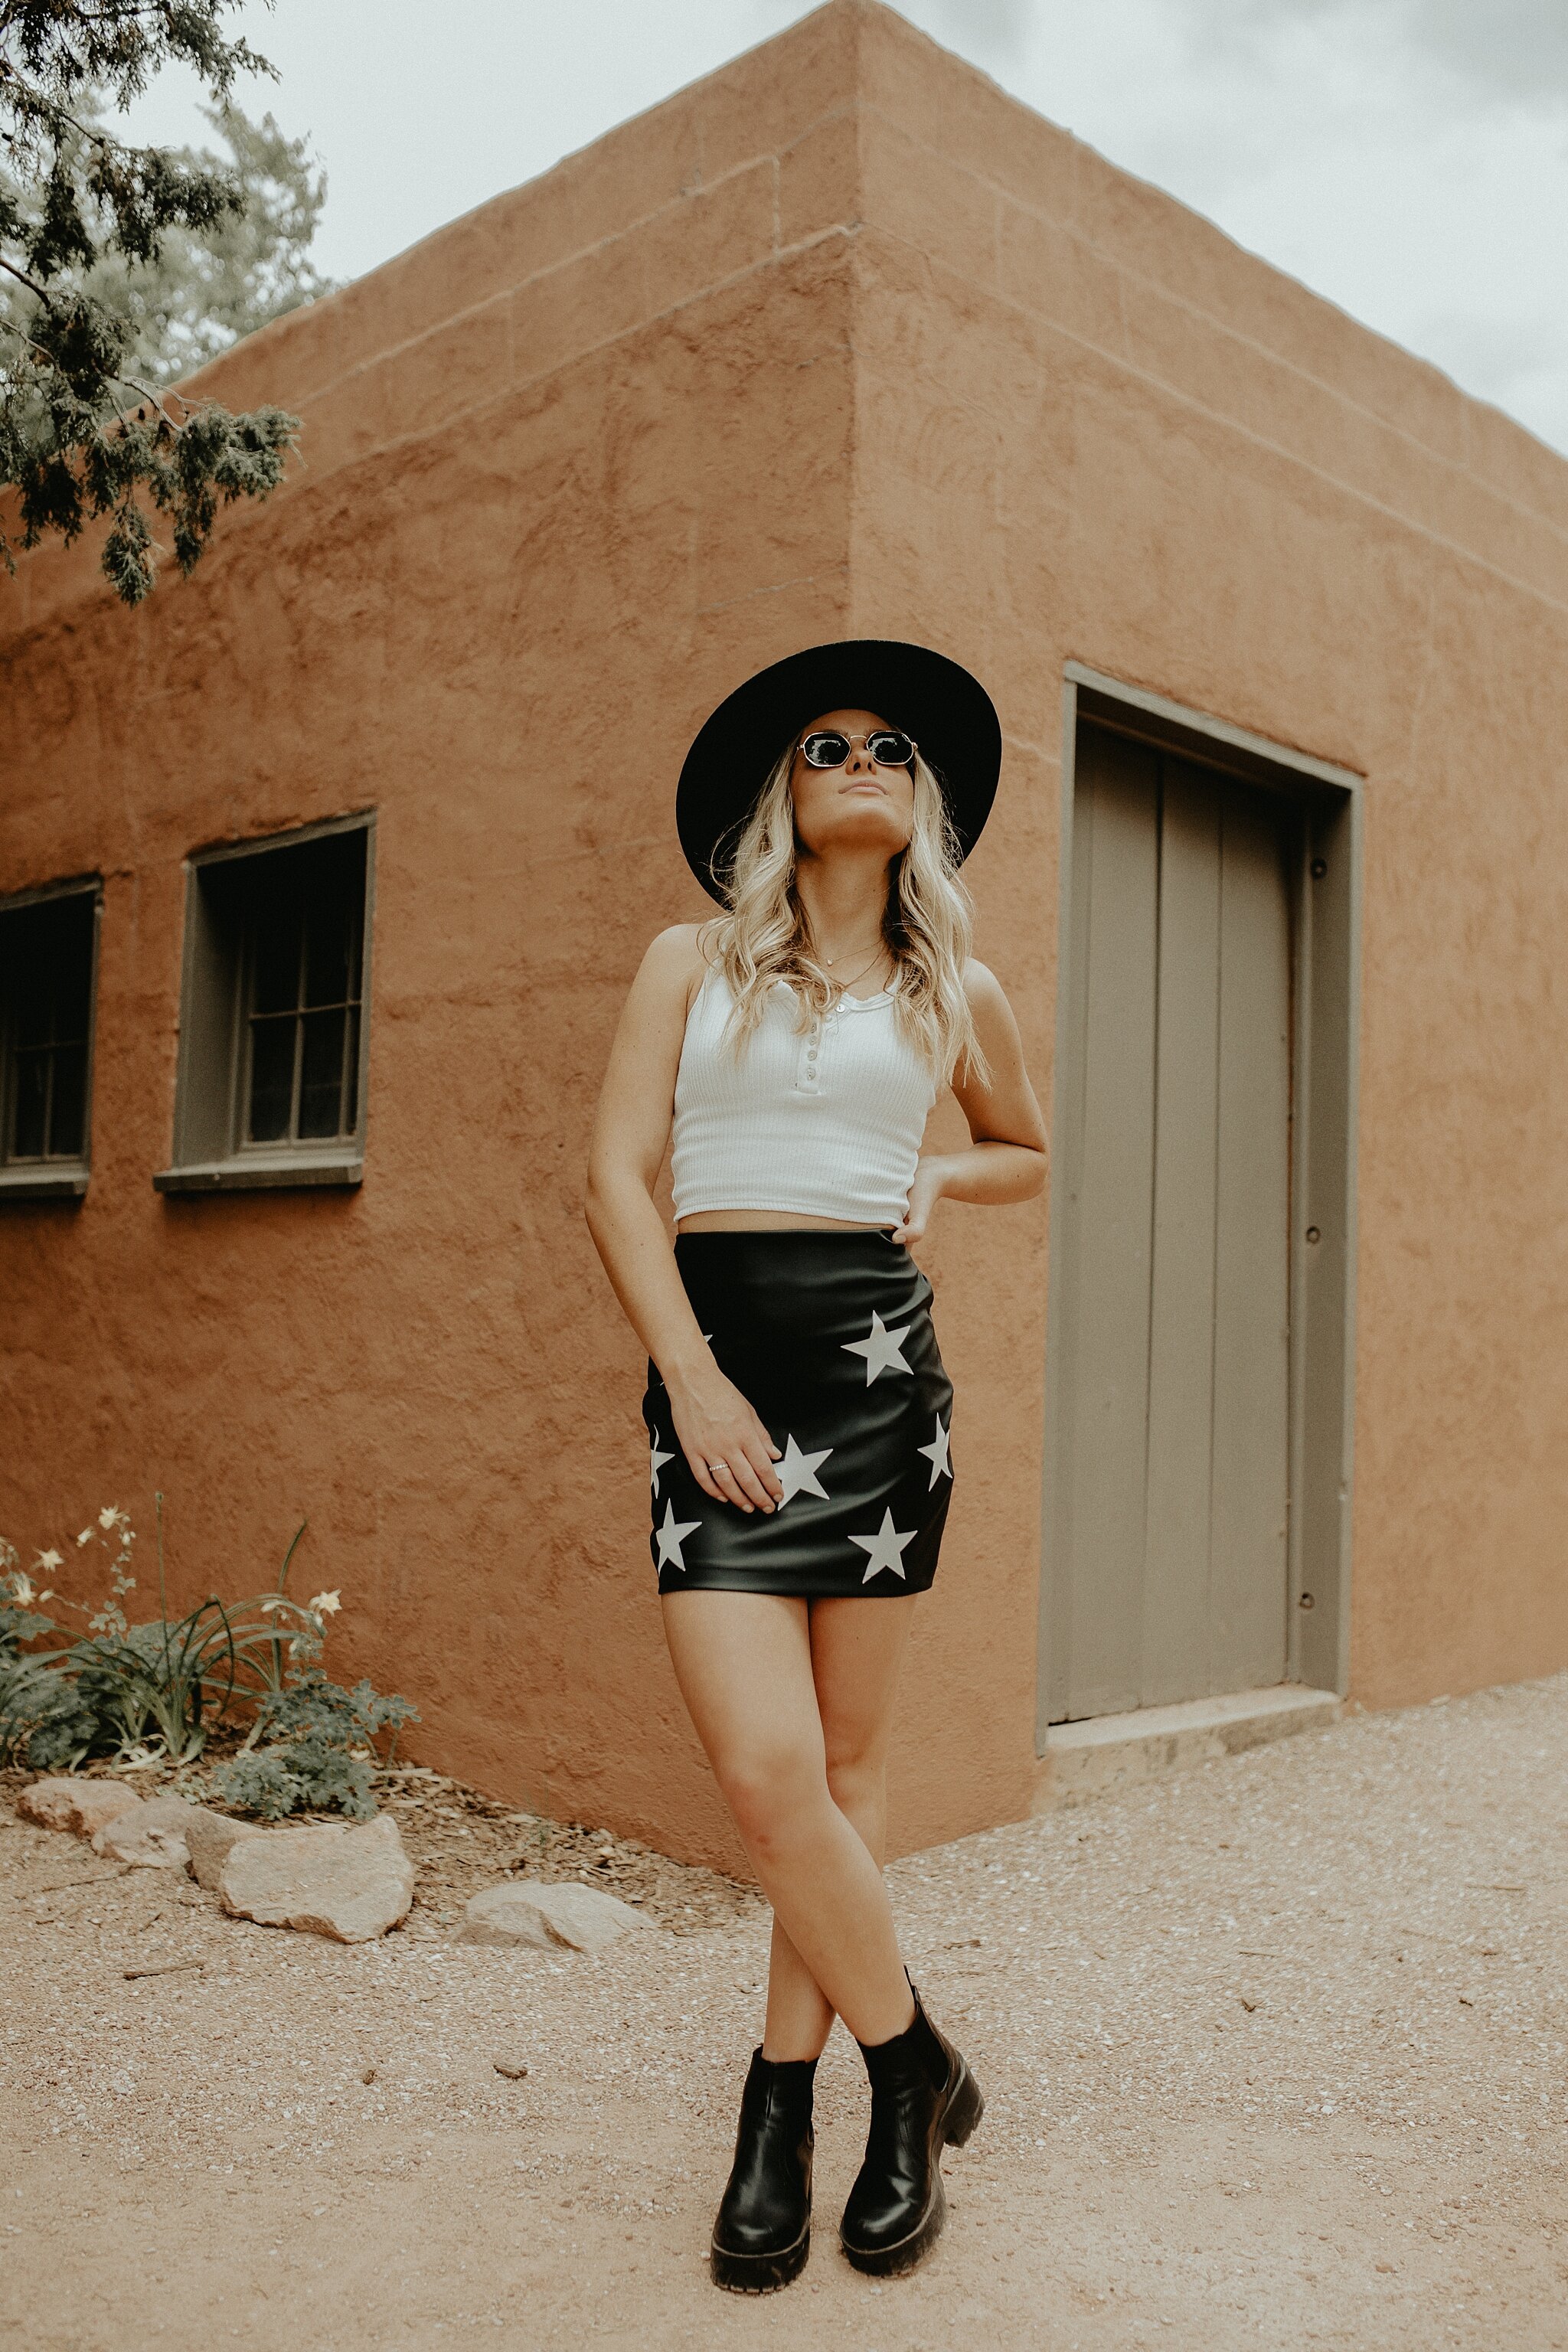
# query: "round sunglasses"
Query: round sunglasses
{"points": [[889, 746]]}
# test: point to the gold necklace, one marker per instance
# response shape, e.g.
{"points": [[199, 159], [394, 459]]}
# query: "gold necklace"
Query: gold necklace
{"points": [[844, 986], [831, 961]]}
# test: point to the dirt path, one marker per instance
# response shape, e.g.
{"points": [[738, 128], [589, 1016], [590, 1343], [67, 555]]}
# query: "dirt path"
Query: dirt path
{"points": [[1277, 2054]]}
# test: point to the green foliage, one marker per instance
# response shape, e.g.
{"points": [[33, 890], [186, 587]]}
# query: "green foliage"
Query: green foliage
{"points": [[157, 1688], [205, 289], [320, 1748], [98, 244], [40, 1714]]}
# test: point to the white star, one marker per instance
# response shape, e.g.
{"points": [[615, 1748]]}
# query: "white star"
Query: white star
{"points": [[798, 1471], [881, 1350], [884, 1549], [671, 1536], [936, 1453], [655, 1458]]}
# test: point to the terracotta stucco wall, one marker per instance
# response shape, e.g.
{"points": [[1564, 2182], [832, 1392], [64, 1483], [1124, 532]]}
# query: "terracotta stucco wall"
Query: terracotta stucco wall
{"points": [[1089, 426], [840, 339]]}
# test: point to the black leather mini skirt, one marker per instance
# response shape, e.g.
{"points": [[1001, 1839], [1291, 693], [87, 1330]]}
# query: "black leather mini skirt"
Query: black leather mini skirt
{"points": [[829, 1335]]}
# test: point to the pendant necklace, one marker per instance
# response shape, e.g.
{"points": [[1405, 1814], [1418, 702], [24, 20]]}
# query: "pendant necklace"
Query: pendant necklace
{"points": [[844, 986]]}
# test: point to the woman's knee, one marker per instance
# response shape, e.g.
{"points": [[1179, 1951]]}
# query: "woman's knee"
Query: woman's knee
{"points": [[772, 1788], [858, 1782]]}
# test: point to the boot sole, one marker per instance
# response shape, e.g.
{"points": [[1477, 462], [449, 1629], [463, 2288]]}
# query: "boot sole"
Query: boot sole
{"points": [[964, 2108], [758, 2273]]}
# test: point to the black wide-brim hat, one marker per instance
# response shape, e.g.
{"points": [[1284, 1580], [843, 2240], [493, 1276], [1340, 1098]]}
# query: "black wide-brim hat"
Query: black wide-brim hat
{"points": [[937, 701]]}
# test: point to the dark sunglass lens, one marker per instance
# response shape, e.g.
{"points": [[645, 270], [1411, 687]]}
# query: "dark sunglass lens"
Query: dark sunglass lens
{"points": [[826, 751], [891, 749]]}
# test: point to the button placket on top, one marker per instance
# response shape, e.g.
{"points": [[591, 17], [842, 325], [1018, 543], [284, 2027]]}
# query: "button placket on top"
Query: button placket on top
{"points": [[808, 1062]]}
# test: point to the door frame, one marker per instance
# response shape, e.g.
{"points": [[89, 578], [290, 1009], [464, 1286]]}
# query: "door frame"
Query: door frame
{"points": [[1326, 990]]}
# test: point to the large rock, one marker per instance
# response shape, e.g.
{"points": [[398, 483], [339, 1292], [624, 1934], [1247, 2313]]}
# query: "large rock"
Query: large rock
{"points": [[529, 1911], [153, 1833], [84, 1806], [351, 1884], [209, 1837]]}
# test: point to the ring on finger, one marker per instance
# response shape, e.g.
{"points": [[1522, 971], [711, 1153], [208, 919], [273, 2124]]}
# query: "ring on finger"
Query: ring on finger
{"points": [[718, 1469]]}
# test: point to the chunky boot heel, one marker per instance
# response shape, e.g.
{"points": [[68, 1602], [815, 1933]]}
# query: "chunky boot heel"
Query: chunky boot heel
{"points": [[762, 2232], [923, 2098]]}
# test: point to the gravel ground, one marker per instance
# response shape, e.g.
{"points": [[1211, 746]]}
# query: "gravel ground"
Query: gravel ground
{"points": [[1275, 2053]]}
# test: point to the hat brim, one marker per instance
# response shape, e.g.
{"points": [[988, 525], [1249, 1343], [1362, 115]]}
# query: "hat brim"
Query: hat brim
{"points": [[937, 701]]}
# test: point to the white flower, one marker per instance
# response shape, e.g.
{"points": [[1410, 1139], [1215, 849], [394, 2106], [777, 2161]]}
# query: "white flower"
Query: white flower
{"points": [[272, 1603], [48, 1562], [110, 1516], [326, 1604], [85, 1537], [21, 1586]]}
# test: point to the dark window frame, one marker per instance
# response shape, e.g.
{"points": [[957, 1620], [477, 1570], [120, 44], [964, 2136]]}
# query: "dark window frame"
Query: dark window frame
{"points": [[212, 1152], [65, 1176]]}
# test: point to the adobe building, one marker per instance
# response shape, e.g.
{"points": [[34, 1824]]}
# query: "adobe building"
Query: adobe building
{"points": [[371, 821]]}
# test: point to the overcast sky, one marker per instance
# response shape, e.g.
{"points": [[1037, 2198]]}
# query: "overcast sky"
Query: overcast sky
{"points": [[1406, 158]]}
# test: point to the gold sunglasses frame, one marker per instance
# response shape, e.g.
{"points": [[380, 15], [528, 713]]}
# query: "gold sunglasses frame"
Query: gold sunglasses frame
{"points": [[852, 741]]}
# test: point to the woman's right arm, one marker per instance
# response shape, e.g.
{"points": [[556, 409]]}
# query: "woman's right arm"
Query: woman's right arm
{"points": [[714, 1421]]}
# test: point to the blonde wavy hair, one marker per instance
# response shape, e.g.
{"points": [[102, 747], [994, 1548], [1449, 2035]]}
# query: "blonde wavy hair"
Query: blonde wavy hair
{"points": [[927, 925]]}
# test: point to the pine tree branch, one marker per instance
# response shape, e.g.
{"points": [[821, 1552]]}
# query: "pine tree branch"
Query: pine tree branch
{"points": [[22, 279]]}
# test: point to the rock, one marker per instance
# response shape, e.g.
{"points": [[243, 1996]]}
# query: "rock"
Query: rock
{"points": [[512, 2068], [153, 1833], [209, 1838], [350, 1883], [84, 1806], [528, 1911]]}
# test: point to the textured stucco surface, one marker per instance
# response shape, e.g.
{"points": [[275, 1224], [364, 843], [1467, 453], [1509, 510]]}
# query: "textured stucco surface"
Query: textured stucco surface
{"points": [[840, 340]]}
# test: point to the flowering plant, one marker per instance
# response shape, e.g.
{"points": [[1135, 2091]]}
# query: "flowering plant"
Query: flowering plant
{"points": [[154, 1689]]}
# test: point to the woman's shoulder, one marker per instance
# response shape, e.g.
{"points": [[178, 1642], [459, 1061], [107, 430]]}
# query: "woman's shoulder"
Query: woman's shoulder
{"points": [[981, 984], [684, 947], [677, 961]]}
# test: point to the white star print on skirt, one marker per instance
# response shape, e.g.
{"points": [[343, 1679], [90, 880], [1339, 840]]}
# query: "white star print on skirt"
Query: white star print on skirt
{"points": [[829, 1335]]}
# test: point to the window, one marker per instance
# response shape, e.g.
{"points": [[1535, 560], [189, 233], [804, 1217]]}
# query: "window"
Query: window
{"points": [[271, 1083], [304, 938], [47, 945]]}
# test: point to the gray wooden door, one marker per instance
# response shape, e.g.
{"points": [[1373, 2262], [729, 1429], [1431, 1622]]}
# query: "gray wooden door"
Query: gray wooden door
{"points": [[1168, 1459]]}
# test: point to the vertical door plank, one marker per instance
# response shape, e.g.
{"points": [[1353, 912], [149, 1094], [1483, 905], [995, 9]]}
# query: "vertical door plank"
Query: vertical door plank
{"points": [[1106, 1376], [1251, 1366], [1176, 1645], [1068, 1273]]}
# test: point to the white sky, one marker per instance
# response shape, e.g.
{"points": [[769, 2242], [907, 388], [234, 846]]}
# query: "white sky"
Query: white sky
{"points": [[1406, 158]]}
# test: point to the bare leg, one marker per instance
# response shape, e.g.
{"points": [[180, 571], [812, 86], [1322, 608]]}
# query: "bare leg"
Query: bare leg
{"points": [[745, 1666], [856, 1652]]}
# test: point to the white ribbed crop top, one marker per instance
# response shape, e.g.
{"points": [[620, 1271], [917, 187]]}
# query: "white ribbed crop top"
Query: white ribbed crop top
{"points": [[825, 1121]]}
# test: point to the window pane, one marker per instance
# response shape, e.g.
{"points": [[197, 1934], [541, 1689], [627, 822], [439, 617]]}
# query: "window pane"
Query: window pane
{"points": [[322, 1076], [73, 972], [271, 1079], [46, 988], [27, 1133], [275, 984], [68, 1104], [34, 995], [327, 977]]}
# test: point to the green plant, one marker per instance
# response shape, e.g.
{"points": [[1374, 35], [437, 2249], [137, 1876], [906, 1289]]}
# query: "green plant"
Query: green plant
{"points": [[320, 1750], [155, 1688], [40, 1712], [83, 437]]}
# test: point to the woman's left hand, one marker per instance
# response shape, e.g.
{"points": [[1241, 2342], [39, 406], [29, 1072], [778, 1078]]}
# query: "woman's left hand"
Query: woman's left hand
{"points": [[930, 1182]]}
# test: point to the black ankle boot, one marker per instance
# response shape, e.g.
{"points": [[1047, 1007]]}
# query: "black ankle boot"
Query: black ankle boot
{"points": [[923, 2098], [763, 2234]]}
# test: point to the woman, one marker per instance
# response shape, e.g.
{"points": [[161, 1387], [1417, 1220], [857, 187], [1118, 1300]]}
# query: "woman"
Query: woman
{"points": [[797, 1409]]}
